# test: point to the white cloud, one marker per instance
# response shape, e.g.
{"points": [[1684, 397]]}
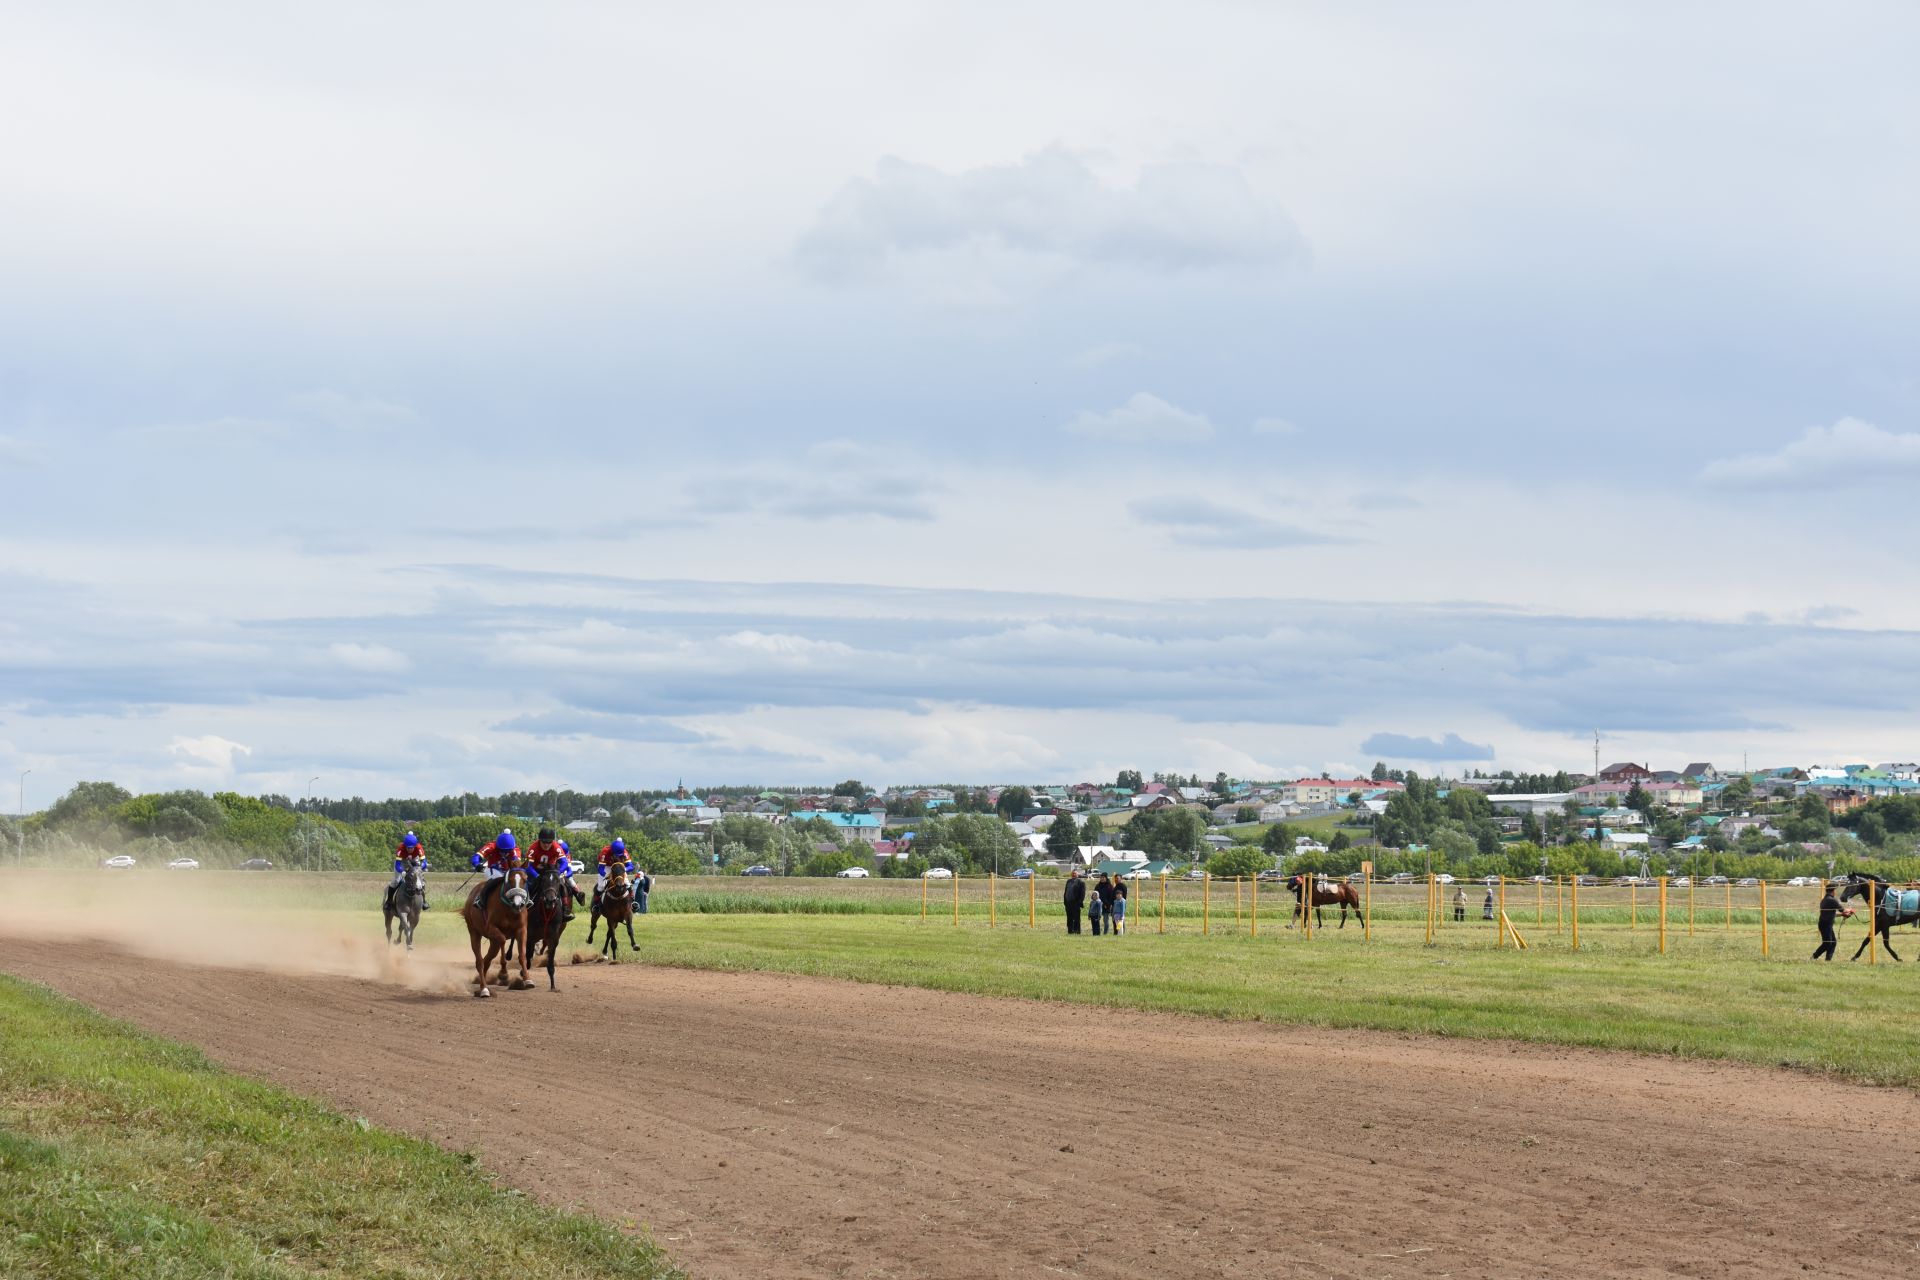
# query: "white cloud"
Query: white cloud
{"points": [[225, 431], [1274, 427], [367, 657], [1202, 522], [1176, 217], [352, 413], [209, 752], [1825, 457], [1143, 419]]}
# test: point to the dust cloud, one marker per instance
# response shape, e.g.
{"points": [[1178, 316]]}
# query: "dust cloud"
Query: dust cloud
{"points": [[188, 919]]}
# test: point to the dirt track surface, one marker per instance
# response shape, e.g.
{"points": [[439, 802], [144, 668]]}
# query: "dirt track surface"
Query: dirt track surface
{"points": [[787, 1127]]}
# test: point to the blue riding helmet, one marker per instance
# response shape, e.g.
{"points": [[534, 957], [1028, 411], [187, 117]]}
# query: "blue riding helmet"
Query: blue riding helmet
{"points": [[505, 842], [410, 840], [619, 845]]}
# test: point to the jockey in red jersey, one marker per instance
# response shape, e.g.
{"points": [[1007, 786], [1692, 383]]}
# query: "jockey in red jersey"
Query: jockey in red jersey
{"points": [[547, 855], [409, 847]]}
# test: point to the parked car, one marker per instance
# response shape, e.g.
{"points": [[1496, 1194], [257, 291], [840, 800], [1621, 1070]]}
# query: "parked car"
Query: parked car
{"points": [[1714, 880], [1586, 882], [854, 873], [758, 869], [183, 864], [1138, 873], [256, 864], [1270, 875], [1442, 878], [1355, 877], [1196, 874], [1749, 882], [119, 861], [1801, 882], [1023, 873], [1682, 883], [939, 873]]}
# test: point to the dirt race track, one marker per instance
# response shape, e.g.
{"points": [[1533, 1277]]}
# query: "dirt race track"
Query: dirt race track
{"points": [[787, 1127]]}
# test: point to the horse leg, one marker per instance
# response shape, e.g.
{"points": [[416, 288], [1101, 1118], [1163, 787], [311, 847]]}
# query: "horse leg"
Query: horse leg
{"points": [[1862, 948], [593, 919], [1886, 942], [631, 944]]}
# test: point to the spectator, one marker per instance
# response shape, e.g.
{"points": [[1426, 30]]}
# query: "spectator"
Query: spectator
{"points": [[1119, 905], [642, 889], [1486, 908], [1829, 908], [1460, 903], [1096, 908], [1108, 895], [1075, 897]]}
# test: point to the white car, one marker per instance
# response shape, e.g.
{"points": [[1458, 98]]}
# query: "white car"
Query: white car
{"points": [[183, 864], [1443, 878], [939, 873], [1141, 874], [853, 873], [119, 861]]}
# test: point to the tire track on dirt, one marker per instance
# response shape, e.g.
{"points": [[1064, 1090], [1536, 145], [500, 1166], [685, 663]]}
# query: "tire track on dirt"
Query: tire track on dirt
{"points": [[796, 1127]]}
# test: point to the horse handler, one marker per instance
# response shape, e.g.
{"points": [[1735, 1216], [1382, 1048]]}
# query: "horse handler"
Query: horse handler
{"points": [[1830, 908]]}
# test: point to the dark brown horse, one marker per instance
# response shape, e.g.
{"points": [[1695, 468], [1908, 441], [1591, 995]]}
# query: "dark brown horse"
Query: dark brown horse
{"points": [[614, 904], [547, 918], [1888, 902], [1325, 895], [496, 910]]}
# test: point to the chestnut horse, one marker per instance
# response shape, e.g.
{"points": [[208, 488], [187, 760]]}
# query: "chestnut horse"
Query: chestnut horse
{"points": [[404, 902], [614, 904], [1325, 895], [497, 911]]}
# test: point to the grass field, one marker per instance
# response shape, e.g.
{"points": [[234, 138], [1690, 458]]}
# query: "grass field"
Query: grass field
{"points": [[123, 1155], [1712, 994]]}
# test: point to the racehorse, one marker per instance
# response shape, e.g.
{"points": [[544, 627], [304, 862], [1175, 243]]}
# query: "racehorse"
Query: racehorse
{"points": [[500, 917], [1325, 895], [547, 917], [1887, 908], [404, 902], [614, 904]]}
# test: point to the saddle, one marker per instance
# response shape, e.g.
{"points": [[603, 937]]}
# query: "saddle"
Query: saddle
{"points": [[1900, 902]]}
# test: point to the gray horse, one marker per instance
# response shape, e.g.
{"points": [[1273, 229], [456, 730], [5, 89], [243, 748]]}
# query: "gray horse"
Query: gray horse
{"points": [[404, 902]]}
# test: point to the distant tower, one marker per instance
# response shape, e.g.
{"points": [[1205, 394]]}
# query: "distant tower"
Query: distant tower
{"points": [[680, 787], [1596, 755]]}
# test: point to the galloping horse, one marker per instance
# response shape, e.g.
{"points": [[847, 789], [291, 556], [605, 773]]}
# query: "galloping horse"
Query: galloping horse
{"points": [[547, 917], [404, 902], [1324, 895], [614, 904], [499, 916], [1888, 903]]}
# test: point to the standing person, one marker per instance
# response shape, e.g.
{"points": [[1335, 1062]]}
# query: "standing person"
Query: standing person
{"points": [[1105, 892], [1119, 905], [642, 890], [1096, 909], [1073, 897], [409, 847], [1829, 908], [1460, 903], [1486, 908]]}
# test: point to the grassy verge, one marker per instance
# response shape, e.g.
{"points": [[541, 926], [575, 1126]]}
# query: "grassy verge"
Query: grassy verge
{"points": [[1718, 1000], [123, 1155]]}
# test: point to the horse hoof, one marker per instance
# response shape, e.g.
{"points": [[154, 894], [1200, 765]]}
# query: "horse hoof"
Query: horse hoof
{"points": [[482, 994]]}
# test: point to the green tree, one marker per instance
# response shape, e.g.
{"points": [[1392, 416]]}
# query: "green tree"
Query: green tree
{"points": [[1013, 802], [1246, 814], [1128, 780], [852, 787], [1379, 773], [1063, 838], [831, 864], [1340, 843], [1872, 829], [87, 802], [1241, 860], [1737, 795], [1278, 842], [1092, 830]]}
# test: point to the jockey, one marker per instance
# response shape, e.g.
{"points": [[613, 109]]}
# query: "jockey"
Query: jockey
{"points": [[495, 857], [611, 856], [409, 847], [547, 854]]}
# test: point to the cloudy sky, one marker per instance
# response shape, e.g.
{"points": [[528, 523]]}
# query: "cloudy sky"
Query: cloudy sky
{"points": [[479, 395]]}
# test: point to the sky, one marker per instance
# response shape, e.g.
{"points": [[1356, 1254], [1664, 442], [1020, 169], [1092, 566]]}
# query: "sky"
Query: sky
{"points": [[403, 400]]}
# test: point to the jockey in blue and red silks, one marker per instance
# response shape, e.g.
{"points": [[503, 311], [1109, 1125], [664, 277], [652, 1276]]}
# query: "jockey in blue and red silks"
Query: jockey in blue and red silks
{"points": [[495, 857], [409, 847], [611, 856], [549, 855]]}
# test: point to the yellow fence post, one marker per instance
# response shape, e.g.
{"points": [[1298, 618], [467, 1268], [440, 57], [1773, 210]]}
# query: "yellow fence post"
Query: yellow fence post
{"points": [[1366, 884], [1206, 903], [1500, 935], [1663, 915], [1032, 891], [1763, 919], [1236, 904], [1163, 903], [1690, 906], [1576, 913], [956, 899], [1873, 918], [1253, 909]]}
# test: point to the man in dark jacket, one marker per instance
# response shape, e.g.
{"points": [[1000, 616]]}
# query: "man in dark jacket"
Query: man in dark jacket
{"points": [[1829, 909], [1074, 896]]}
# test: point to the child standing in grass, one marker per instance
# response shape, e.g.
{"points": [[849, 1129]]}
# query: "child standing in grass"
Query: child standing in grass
{"points": [[1119, 905]]}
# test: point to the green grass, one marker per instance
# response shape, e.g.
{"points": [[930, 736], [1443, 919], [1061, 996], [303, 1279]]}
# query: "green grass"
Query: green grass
{"points": [[124, 1155]]}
